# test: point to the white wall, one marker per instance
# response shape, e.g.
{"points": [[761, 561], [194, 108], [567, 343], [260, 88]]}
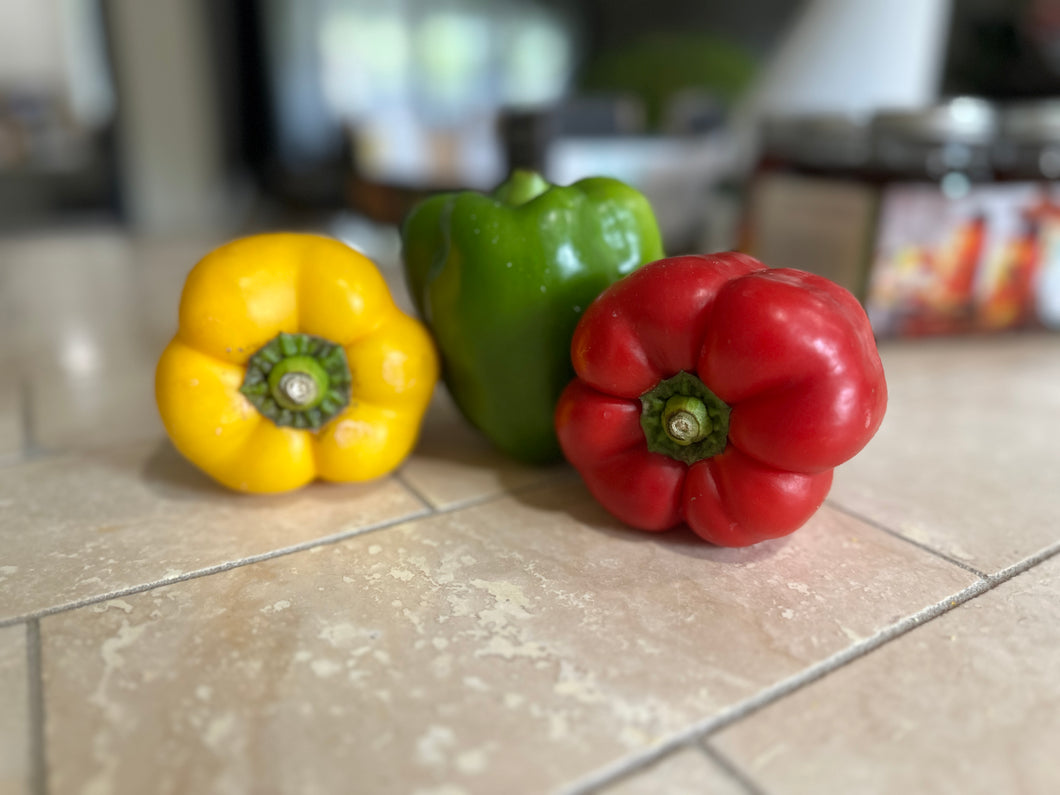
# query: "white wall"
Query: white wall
{"points": [[855, 56], [31, 53]]}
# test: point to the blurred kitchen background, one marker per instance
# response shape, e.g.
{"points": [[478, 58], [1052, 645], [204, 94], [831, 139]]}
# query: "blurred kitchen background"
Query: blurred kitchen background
{"points": [[906, 148]]}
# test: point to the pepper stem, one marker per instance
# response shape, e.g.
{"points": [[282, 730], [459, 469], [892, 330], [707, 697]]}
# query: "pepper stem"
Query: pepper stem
{"points": [[299, 389], [522, 186], [683, 419], [298, 380]]}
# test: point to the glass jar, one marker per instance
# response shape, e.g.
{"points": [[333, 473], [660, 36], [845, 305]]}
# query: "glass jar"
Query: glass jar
{"points": [[1028, 146], [950, 144], [816, 143]]}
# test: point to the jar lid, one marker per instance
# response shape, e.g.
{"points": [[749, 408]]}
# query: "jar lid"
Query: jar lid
{"points": [[967, 120], [824, 139], [1032, 122]]}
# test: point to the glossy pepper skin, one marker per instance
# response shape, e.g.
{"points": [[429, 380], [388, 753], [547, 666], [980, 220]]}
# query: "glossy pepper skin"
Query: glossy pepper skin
{"points": [[501, 280], [784, 364], [291, 362]]}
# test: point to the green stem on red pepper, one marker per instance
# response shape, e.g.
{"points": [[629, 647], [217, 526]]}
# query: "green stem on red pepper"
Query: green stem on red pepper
{"points": [[683, 419]]}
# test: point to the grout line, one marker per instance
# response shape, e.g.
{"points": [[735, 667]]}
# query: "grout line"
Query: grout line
{"points": [[699, 730], [38, 771], [731, 768], [1009, 572], [399, 476], [471, 502], [215, 569], [484, 499], [335, 538], [918, 544]]}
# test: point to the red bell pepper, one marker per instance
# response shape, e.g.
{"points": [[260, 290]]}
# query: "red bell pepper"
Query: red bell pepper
{"points": [[715, 391]]}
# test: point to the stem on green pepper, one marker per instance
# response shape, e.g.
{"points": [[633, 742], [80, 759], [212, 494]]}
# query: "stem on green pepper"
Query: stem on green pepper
{"points": [[522, 186]]}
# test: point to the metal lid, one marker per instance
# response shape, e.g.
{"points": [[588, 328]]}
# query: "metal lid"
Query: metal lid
{"points": [[965, 120], [1032, 122], [817, 139]]}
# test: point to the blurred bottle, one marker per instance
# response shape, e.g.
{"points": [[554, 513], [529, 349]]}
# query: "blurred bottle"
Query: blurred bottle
{"points": [[950, 144]]}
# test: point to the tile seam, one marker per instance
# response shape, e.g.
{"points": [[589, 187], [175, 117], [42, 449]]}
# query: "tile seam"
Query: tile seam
{"points": [[474, 502], [1007, 573], [196, 574], [37, 752], [877, 525], [426, 512], [399, 476], [749, 785], [700, 730]]}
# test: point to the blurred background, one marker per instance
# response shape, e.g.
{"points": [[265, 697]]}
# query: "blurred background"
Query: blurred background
{"points": [[905, 148]]}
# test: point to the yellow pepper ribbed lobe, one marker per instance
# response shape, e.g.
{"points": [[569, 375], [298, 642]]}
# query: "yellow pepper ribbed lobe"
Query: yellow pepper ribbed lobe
{"points": [[243, 296]]}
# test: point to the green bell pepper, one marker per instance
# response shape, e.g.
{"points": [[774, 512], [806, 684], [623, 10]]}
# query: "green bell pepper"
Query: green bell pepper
{"points": [[502, 279]]}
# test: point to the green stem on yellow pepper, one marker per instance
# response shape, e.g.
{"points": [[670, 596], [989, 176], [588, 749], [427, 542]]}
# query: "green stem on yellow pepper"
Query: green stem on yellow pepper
{"points": [[298, 380]]}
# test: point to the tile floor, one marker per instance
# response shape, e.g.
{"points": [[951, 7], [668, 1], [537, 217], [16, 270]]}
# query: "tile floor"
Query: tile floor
{"points": [[469, 625]]}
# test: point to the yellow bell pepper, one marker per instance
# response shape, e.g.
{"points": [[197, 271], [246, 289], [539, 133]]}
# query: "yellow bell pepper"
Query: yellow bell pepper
{"points": [[292, 362]]}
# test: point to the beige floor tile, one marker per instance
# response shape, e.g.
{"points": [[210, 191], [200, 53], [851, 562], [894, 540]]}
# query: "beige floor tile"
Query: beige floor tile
{"points": [[92, 311], [969, 703], [686, 772], [507, 647], [966, 459], [84, 296], [80, 527], [454, 464], [66, 288], [14, 711], [103, 409]]}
